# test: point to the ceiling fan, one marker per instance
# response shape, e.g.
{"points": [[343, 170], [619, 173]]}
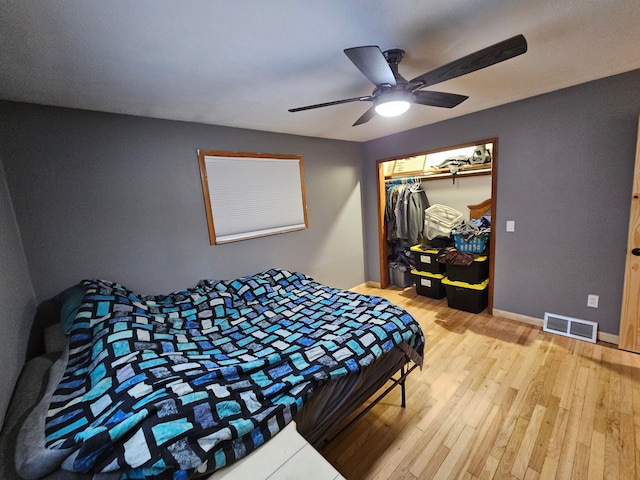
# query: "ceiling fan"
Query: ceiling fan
{"points": [[393, 94]]}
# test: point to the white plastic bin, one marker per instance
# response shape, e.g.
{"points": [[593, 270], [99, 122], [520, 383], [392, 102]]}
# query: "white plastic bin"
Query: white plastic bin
{"points": [[439, 220], [399, 277]]}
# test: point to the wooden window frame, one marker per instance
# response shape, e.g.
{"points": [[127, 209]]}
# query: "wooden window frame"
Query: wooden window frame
{"points": [[262, 196]]}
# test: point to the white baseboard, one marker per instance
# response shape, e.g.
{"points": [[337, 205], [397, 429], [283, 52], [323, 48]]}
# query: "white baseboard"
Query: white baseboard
{"points": [[602, 336]]}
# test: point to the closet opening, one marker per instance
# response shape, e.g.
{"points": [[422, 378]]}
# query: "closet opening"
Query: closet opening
{"points": [[455, 179]]}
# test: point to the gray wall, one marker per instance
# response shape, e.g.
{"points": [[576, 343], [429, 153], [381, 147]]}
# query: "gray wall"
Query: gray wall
{"points": [[17, 300], [565, 163], [119, 197], [94, 195]]}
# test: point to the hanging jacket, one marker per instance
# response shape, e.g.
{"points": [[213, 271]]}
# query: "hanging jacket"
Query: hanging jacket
{"points": [[401, 211], [389, 212], [404, 212], [418, 203]]}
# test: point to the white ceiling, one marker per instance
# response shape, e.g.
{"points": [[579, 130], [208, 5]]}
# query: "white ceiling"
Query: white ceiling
{"points": [[243, 63]]}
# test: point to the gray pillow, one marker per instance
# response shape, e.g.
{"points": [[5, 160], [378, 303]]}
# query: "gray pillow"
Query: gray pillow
{"points": [[54, 339]]}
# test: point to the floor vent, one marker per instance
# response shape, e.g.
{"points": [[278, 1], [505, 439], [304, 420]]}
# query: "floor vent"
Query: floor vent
{"points": [[571, 327]]}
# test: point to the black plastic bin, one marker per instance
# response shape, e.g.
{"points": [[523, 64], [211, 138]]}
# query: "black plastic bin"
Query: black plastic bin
{"points": [[429, 284], [426, 259], [477, 272], [469, 297]]}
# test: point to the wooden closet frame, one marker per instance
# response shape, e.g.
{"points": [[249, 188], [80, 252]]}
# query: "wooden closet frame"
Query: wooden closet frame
{"points": [[382, 233]]}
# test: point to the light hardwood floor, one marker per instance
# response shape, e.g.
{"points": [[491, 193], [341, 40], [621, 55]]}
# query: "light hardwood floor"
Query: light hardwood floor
{"points": [[498, 399]]}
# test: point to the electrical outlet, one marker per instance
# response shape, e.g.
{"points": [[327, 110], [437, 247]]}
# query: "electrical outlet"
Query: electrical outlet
{"points": [[592, 301], [511, 226]]}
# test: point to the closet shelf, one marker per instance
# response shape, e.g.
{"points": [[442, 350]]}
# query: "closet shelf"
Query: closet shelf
{"points": [[466, 171]]}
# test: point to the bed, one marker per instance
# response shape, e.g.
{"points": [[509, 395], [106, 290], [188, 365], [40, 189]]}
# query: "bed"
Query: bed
{"points": [[180, 385]]}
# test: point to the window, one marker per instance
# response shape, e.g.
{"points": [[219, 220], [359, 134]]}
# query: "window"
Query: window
{"points": [[249, 195]]}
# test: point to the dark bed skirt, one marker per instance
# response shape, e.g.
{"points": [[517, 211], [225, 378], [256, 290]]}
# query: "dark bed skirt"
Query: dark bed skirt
{"points": [[332, 403]]}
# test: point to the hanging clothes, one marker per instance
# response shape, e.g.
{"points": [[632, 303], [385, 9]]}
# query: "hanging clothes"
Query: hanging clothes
{"points": [[392, 193], [417, 204], [404, 212]]}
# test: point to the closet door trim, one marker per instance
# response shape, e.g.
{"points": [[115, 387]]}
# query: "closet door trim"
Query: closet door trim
{"points": [[382, 234]]}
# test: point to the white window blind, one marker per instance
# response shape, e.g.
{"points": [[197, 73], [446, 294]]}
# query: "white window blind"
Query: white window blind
{"points": [[250, 195]]}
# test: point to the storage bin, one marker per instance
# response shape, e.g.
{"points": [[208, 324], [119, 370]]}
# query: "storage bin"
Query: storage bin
{"points": [[439, 220], [426, 259], [477, 272], [477, 244], [466, 296], [400, 278], [429, 284]]}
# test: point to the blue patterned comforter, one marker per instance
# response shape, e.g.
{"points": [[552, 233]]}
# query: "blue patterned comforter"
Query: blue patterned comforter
{"points": [[169, 386]]}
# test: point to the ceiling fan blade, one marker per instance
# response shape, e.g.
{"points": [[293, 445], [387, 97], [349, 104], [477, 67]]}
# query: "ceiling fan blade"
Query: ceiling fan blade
{"points": [[365, 117], [370, 61], [486, 57], [336, 102], [438, 99]]}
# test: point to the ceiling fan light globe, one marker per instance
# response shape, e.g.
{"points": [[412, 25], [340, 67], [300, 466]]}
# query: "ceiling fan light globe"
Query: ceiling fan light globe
{"points": [[392, 108]]}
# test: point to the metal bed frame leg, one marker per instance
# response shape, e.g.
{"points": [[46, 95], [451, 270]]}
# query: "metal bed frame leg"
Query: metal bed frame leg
{"points": [[403, 387], [405, 370]]}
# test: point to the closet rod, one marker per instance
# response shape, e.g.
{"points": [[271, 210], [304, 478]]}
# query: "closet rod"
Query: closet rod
{"points": [[429, 176], [402, 180]]}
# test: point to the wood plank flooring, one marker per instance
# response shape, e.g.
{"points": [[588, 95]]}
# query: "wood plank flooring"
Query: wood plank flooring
{"points": [[498, 399]]}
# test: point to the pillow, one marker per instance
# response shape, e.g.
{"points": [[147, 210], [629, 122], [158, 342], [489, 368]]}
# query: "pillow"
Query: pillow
{"points": [[70, 301], [54, 339]]}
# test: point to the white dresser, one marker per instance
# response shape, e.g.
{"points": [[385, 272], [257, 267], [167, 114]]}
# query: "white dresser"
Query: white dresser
{"points": [[287, 456]]}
